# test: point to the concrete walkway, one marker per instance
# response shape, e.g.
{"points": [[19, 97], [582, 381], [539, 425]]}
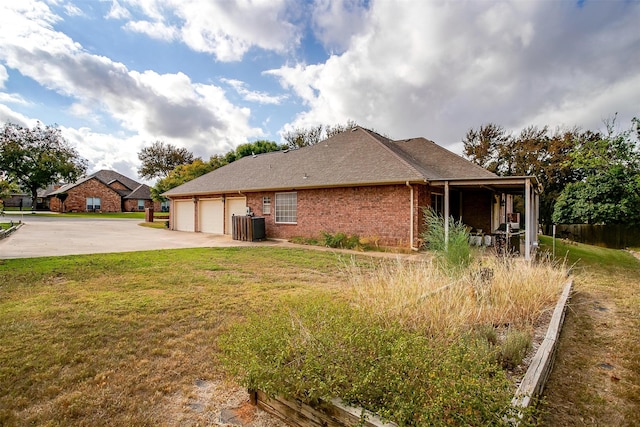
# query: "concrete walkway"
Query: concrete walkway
{"points": [[47, 236], [42, 236]]}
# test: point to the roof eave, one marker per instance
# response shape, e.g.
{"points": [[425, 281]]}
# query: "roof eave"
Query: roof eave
{"points": [[297, 187]]}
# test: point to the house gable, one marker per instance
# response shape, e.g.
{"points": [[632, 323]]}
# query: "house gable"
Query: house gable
{"points": [[116, 193], [76, 199]]}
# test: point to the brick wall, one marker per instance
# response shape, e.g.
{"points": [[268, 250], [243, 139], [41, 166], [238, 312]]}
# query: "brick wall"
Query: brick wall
{"points": [[131, 205], [76, 200], [379, 213], [476, 209]]}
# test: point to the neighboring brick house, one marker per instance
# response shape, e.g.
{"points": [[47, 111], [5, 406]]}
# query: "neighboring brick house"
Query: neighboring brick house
{"points": [[103, 191], [356, 182]]}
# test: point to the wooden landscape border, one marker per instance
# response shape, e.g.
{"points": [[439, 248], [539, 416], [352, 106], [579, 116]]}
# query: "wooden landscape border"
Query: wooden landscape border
{"points": [[338, 414], [540, 367], [9, 231], [332, 414]]}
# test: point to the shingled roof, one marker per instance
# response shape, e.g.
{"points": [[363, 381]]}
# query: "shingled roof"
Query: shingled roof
{"points": [[352, 158], [105, 176]]}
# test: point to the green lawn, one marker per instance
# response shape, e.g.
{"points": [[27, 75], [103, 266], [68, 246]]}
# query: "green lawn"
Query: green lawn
{"points": [[125, 339], [596, 378], [113, 339]]}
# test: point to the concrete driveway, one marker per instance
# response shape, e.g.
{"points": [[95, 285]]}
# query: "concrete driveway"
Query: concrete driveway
{"points": [[51, 236]]}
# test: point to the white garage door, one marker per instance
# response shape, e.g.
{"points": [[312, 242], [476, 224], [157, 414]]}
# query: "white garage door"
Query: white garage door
{"points": [[184, 216], [235, 206], [211, 216]]}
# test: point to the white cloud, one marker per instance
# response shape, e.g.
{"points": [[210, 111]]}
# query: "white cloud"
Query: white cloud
{"points": [[117, 11], [156, 30], [72, 10], [252, 95], [148, 105], [438, 68], [335, 21], [226, 29], [4, 76]]}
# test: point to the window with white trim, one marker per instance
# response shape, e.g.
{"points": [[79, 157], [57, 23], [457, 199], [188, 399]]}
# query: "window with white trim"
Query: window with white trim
{"points": [[93, 204], [437, 203], [140, 204], [266, 205], [286, 208]]}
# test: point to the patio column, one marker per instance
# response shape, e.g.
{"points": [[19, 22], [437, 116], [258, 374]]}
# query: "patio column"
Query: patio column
{"points": [[446, 215], [528, 219]]}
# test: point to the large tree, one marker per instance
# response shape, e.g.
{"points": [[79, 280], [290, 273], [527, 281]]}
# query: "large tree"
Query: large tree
{"points": [[534, 151], [304, 137], [608, 188], [35, 158], [160, 158], [183, 173]]}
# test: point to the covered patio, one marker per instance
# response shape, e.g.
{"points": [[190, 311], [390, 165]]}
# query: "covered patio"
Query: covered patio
{"points": [[488, 204]]}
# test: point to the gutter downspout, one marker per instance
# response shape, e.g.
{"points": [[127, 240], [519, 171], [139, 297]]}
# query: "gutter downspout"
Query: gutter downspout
{"points": [[413, 248]]}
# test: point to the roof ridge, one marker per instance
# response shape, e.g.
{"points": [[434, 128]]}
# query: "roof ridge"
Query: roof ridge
{"points": [[390, 150], [477, 166]]}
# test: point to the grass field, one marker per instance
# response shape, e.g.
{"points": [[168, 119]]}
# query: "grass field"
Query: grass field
{"points": [[596, 378], [130, 339]]}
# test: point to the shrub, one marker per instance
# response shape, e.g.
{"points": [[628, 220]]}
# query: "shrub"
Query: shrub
{"points": [[321, 348], [454, 252], [341, 240], [513, 348]]}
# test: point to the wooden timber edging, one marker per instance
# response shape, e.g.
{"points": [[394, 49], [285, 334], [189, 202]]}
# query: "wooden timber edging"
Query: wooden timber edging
{"points": [[540, 367], [298, 414], [9, 231], [338, 414]]}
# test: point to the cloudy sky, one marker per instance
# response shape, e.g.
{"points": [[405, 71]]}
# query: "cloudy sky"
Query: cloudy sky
{"points": [[116, 75]]}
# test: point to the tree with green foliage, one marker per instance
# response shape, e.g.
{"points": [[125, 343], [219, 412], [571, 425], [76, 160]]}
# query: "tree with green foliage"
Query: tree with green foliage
{"points": [[37, 157], [534, 151], [159, 159], [304, 137], [183, 173], [253, 148], [180, 175], [6, 189], [609, 189]]}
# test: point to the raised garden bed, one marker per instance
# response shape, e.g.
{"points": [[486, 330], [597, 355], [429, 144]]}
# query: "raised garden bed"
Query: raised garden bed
{"points": [[337, 414]]}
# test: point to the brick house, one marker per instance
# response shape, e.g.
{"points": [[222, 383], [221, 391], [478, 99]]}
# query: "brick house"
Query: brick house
{"points": [[103, 191], [356, 182]]}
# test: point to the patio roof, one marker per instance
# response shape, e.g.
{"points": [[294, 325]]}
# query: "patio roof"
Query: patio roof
{"points": [[499, 184]]}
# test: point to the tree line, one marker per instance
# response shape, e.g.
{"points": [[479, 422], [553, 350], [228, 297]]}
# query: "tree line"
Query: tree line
{"points": [[589, 177]]}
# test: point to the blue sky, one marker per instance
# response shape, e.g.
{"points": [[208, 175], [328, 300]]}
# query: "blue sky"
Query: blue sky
{"points": [[208, 75]]}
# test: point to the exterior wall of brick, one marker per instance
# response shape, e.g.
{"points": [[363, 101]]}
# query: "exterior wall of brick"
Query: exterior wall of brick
{"points": [[379, 214], [476, 209], [117, 185], [76, 201], [131, 205]]}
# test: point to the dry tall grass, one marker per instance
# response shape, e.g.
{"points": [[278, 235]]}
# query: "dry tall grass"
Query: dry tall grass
{"points": [[492, 291]]}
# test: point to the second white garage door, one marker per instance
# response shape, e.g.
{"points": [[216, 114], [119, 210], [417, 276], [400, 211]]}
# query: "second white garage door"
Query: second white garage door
{"points": [[211, 216]]}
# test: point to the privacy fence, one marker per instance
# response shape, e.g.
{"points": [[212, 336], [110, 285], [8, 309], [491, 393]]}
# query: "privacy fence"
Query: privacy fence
{"points": [[615, 236]]}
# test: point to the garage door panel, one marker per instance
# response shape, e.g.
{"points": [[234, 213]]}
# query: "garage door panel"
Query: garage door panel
{"points": [[184, 216], [211, 216]]}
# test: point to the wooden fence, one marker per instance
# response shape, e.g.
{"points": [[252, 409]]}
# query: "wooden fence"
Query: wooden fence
{"points": [[615, 236]]}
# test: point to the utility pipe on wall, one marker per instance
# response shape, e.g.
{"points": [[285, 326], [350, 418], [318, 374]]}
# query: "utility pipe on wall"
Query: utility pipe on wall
{"points": [[411, 216]]}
